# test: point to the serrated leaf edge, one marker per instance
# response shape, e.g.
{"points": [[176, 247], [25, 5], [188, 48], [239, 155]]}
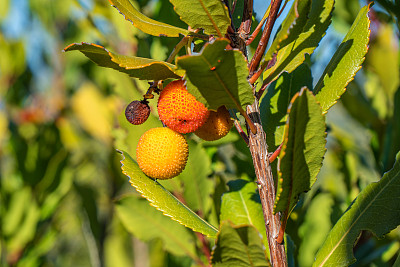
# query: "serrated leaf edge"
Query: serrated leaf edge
{"points": [[150, 20], [160, 209], [166, 64], [284, 146], [359, 67]]}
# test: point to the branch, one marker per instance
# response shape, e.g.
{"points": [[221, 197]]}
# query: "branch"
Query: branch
{"points": [[266, 188], [262, 45]]}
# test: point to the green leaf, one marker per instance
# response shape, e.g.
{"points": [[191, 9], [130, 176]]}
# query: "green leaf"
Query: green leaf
{"points": [[24, 220], [147, 223], [163, 200], [242, 205], [397, 262], [315, 228], [302, 151], [345, 62], [238, 246], [274, 104], [144, 23], [210, 15], [218, 77], [303, 38], [138, 67], [198, 186], [376, 209]]}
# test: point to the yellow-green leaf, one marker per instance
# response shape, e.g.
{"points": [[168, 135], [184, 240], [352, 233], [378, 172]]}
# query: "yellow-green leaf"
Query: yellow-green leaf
{"points": [[304, 35], [144, 23], [210, 15], [138, 67]]}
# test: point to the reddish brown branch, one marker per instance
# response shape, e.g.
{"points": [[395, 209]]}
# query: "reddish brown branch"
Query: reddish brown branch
{"points": [[262, 45], [241, 132], [274, 155]]}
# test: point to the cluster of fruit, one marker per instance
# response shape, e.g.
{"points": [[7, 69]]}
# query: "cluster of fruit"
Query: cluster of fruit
{"points": [[162, 152]]}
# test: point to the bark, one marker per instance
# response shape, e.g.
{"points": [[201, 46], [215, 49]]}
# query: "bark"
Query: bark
{"points": [[259, 152]]}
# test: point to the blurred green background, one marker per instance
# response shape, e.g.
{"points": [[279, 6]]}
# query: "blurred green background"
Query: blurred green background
{"points": [[62, 119]]}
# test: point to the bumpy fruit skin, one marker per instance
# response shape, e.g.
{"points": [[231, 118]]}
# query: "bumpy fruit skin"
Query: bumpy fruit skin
{"points": [[217, 125], [137, 112], [179, 110], [162, 153]]}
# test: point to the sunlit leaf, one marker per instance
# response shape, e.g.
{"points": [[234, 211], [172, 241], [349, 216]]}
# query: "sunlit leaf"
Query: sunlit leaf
{"points": [[218, 77], [210, 15], [147, 223], [239, 246], [302, 152], [376, 209], [138, 67], [345, 62], [163, 200], [144, 23], [304, 36]]}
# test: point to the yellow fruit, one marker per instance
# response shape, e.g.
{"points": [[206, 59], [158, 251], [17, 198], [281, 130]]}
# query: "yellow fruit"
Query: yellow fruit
{"points": [[179, 110], [217, 125], [162, 153]]}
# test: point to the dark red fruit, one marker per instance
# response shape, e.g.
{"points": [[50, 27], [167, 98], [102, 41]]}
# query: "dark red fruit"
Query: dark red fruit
{"points": [[137, 112]]}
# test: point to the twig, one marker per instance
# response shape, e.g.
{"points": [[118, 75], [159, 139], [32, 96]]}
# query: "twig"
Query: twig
{"points": [[241, 132], [259, 26], [274, 155], [262, 45]]}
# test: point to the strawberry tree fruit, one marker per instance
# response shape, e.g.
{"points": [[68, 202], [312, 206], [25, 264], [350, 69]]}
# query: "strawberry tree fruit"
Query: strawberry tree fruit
{"points": [[179, 110], [218, 125], [162, 153], [137, 112]]}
